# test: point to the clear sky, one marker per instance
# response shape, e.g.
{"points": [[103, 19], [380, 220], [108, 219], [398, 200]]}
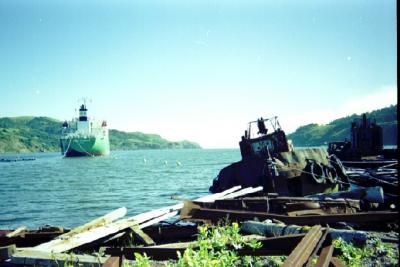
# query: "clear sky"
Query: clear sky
{"points": [[197, 70]]}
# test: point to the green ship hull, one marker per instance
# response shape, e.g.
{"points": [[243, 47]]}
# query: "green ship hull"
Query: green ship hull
{"points": [[85, 146]]}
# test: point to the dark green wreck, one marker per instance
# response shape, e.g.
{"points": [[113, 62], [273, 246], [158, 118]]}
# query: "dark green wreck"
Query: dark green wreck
{"points": [[270, 160]]}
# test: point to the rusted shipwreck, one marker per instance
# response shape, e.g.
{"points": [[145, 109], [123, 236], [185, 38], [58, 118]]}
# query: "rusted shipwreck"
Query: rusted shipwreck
{"points": [[270, 160], [365, 147]]}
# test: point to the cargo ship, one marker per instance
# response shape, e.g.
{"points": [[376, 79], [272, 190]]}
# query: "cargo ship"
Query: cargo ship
{"points": [[84, 136]]}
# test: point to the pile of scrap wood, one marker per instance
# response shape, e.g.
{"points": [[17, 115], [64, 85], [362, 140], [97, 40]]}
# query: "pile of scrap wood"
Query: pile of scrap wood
{"points": [[275, 221]]}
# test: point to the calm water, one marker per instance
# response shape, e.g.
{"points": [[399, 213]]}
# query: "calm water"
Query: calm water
{"points": [[71, 191]]}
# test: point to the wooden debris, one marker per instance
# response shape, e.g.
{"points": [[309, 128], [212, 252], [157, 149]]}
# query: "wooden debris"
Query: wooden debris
{"points": [[245, 191], [144, 238], [88, 233], [17, 232], [44, 258], [103, 220]]}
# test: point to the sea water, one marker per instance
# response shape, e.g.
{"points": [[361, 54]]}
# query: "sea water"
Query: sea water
{"points": [[71, 191]]}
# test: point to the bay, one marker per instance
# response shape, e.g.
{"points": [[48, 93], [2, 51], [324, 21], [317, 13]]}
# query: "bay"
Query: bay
{"points": [[71, 191]]}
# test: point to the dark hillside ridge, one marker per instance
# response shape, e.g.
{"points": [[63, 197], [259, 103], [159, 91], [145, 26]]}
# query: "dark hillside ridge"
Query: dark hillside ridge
{"points": [[339, 129], [41, 134]]}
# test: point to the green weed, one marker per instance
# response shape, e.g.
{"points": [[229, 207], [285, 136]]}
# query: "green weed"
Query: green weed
{"points": [[375, 253]]}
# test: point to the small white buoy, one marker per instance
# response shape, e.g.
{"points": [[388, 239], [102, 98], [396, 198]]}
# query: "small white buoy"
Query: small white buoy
{"points": [[178, 163], [144, 160], [165, 162]]}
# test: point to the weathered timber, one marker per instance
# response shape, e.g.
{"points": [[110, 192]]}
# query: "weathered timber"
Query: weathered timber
{"points": [[213, 197], [303, 250], [44, 258], [87, 233], [103, 220], [90, 235], [17, 232], [243, 192], [61, 245], [142, 236], [239, 215]]}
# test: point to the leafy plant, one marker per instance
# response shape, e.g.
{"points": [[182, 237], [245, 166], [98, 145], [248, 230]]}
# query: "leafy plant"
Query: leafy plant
{"points": [[375, 251], [141, 260], [215, 246]]}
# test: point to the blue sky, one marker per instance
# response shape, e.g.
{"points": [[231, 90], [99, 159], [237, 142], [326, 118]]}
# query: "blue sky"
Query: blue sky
{"points": [[197, 70]]}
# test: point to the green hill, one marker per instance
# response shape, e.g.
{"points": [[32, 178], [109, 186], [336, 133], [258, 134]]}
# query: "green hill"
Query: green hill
{"points": [[339, 129], [34, 134], [137, 140]]}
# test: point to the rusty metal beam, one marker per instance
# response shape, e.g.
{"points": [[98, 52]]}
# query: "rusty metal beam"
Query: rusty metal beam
{"points": [[272, 246], [304, 249], [171, 233], [335, 262], [325, 256], [239, 215], [113, 262], [153, 253], [323, 241]]}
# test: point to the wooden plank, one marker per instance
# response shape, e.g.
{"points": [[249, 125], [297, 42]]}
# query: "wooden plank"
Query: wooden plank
{"points": [[103, 220], [61, 245], [143, 220], [213, 197], [44, 258], [303, 250], [144, 238], [243, 192], [16, 232]]}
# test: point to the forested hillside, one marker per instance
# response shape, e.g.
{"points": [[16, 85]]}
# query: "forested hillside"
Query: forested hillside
{"points": [[339, 129], [40, 134]]}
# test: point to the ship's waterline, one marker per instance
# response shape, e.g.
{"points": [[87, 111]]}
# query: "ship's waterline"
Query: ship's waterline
{"points": [[86, 146]]}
